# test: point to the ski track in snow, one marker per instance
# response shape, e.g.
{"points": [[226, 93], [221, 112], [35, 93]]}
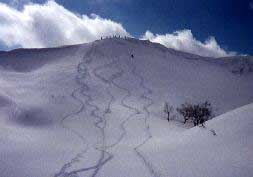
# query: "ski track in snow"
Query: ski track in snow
{"points": [[99, 124], [136, 111], [82, 74], [101, 120], [122, 101], [127, 106], [109, 82], [147, 91]]}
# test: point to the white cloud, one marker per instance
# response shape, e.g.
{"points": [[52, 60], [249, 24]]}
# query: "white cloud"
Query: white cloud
{"points": [[51, 25], [184, 40]]}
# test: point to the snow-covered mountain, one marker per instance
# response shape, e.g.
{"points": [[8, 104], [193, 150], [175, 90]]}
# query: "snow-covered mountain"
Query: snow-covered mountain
{"points": [[96, 110]]}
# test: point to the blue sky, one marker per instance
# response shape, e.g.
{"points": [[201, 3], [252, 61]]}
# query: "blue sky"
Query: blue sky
{"points": [[230, 22]]}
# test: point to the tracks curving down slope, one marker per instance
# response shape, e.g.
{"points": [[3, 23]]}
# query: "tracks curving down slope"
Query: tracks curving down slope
{"points": [[100, 120], [82, 74], [150, 102]]}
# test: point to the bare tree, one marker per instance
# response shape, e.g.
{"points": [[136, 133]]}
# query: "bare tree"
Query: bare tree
{"points": [[168, 110], [198, 113]]}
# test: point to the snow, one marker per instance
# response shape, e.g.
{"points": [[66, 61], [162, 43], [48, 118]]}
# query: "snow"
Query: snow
{"points": [[93, 110], [197, 152]]}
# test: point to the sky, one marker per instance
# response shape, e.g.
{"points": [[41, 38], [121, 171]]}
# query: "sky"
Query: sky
{"points": [[214, 28]]}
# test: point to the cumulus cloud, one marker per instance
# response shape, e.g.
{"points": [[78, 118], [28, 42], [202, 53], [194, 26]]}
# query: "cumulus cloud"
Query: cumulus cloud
{"points": [[184, 40], [50, 25]]}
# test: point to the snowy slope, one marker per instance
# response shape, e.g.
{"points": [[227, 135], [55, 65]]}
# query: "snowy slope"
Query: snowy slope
{"points": [[198, 152], [92, 110]]}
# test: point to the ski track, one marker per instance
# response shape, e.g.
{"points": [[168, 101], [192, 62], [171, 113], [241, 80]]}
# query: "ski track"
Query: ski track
{"points": [[124, 104], [123, 100], [110, 82], [81, 75], [136, 111], [147, 91], [101, 122]]}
